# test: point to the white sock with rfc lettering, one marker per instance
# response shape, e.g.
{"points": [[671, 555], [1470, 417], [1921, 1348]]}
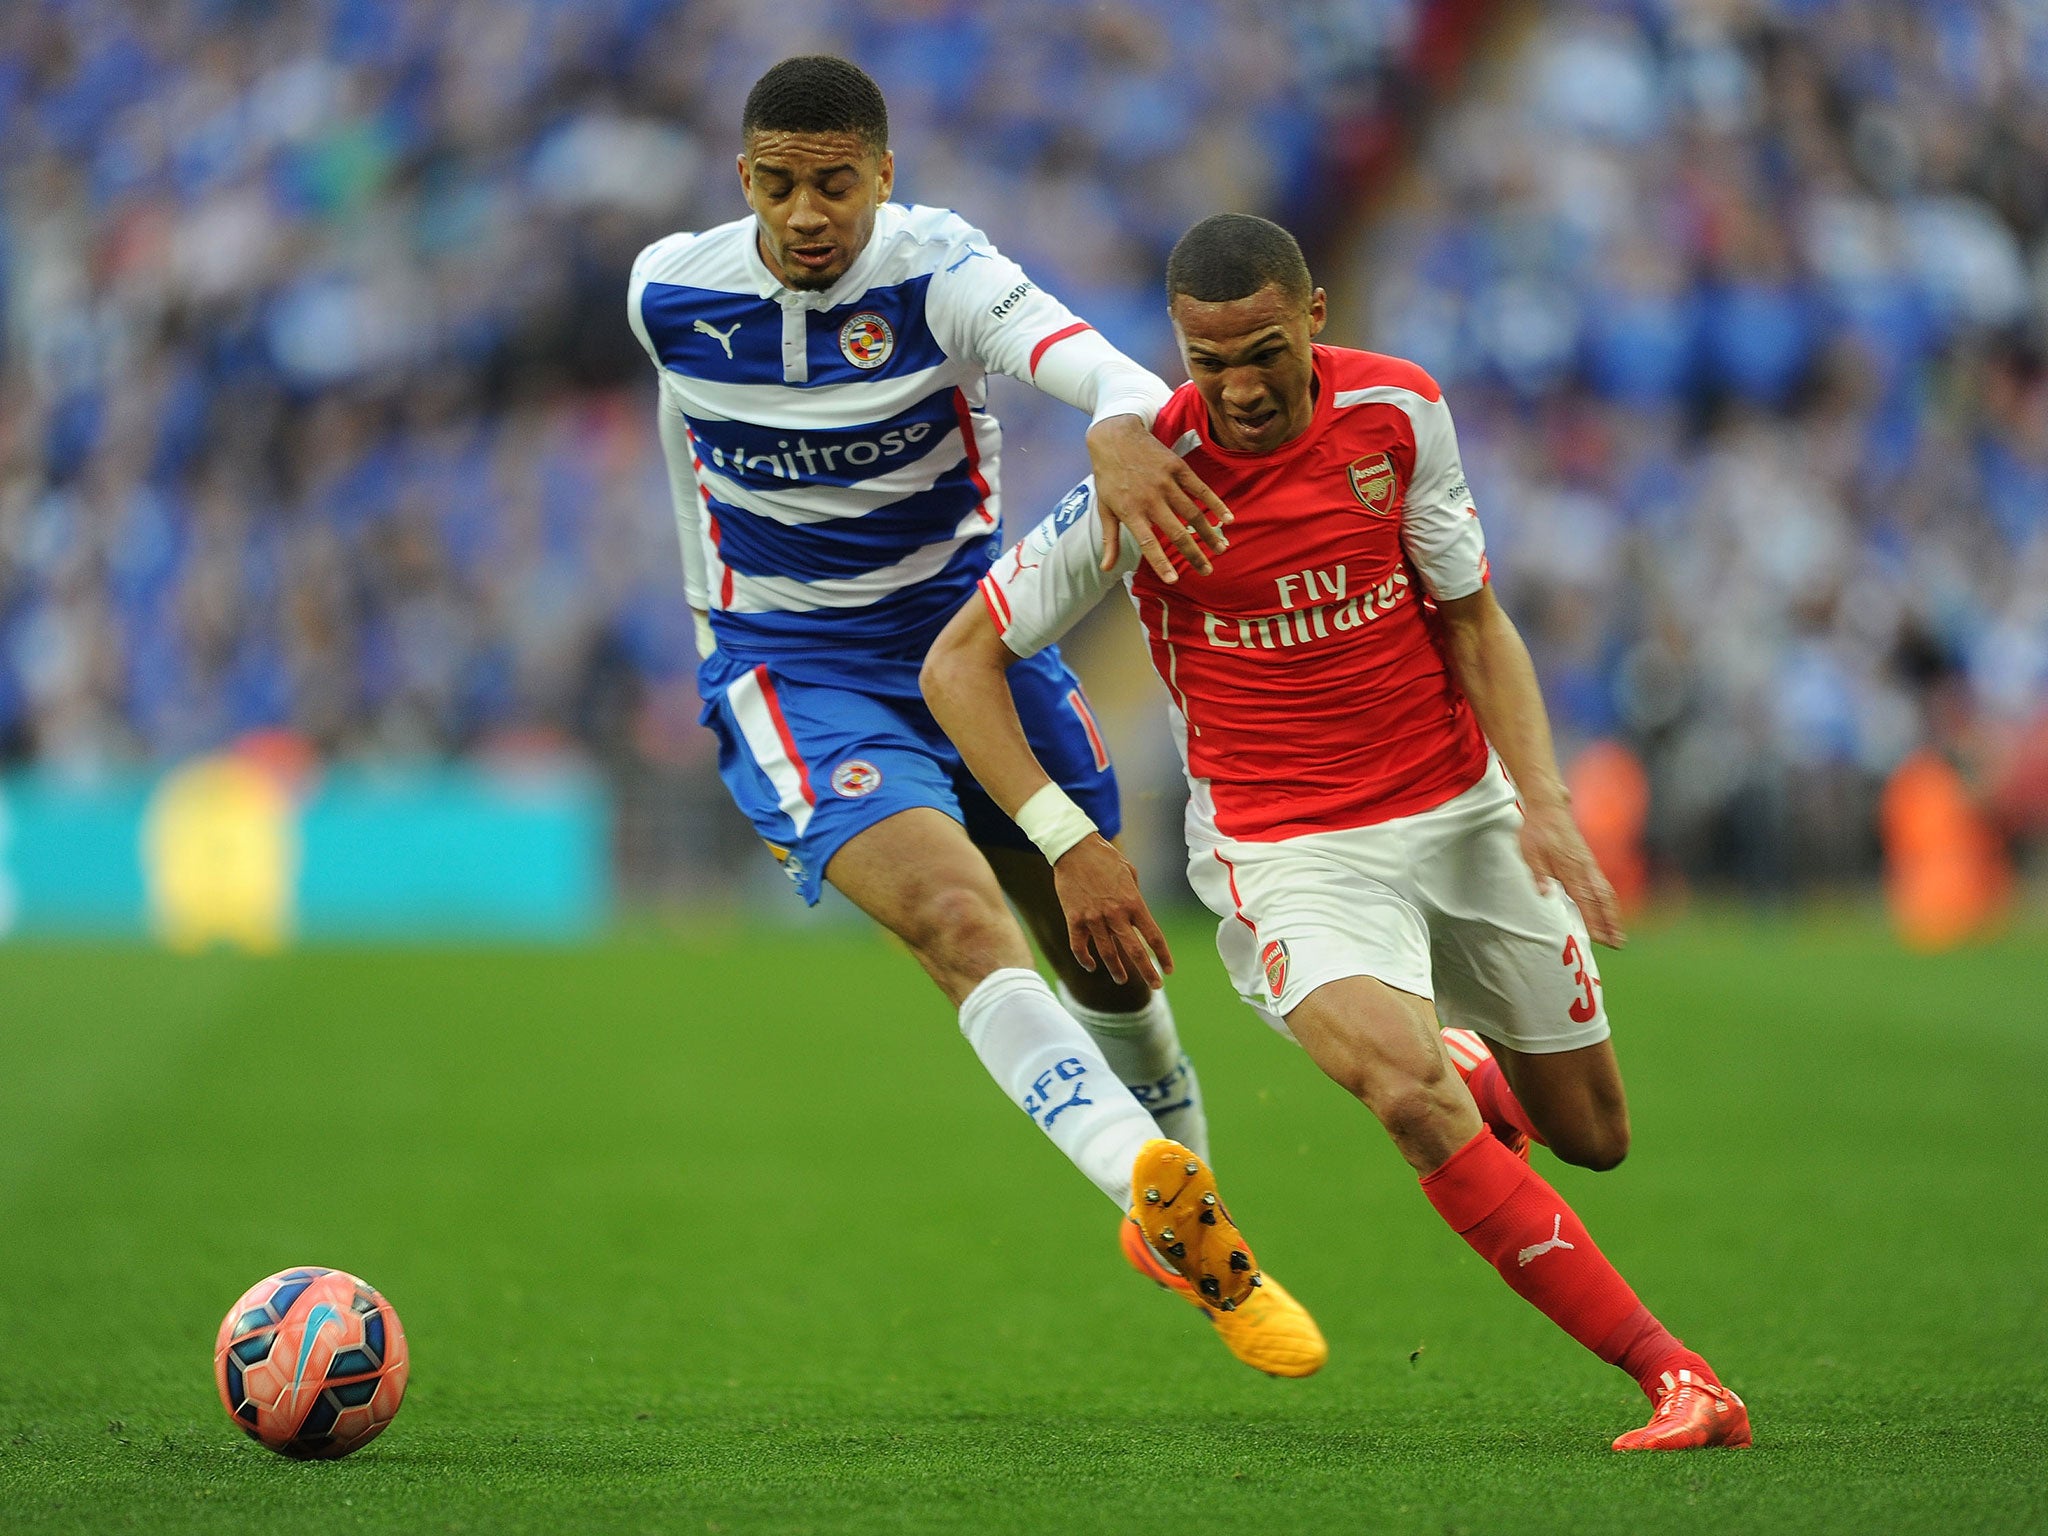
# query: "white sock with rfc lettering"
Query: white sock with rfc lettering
{"points": [[1051, 1068], [1143, 1049]]}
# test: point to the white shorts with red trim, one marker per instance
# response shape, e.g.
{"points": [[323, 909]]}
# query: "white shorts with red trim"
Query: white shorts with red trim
{"points": [[1439, 904]]}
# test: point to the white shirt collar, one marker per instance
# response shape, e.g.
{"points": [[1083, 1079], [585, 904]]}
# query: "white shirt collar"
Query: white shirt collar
{"points": [[853, 282]]}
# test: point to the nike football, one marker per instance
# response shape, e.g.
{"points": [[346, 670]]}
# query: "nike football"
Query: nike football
{"points": [[311, 1362]]}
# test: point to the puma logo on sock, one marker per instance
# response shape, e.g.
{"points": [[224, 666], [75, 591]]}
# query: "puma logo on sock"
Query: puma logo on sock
{"points": [[1537, 1250], [1060, 1109]]}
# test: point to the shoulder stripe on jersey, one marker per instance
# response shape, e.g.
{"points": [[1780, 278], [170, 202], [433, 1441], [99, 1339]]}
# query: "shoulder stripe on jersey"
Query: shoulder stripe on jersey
{"points": [[1349, 369], [1381, 394], [1057, 336], [1187, 443]]}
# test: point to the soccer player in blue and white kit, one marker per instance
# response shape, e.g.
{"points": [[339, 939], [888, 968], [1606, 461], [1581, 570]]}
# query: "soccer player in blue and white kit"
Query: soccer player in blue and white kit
{"points": [[836, 484]]}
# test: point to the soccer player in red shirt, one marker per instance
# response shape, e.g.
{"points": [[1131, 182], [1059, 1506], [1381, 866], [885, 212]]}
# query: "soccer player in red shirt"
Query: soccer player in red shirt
{"points": [[1376, 814]]}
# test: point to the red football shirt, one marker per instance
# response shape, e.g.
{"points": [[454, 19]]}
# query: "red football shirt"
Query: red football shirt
{"points": [[1308, 680]]}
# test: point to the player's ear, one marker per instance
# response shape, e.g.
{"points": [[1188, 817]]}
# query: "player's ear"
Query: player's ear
{"points": [[746, 177], [1318, 312], [885, 176]]}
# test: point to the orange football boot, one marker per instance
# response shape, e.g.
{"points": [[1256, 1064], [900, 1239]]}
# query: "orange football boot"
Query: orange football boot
{"points": [[1175, 1204], [1270, 1331], [1691, 1415], [1468, 1054]]}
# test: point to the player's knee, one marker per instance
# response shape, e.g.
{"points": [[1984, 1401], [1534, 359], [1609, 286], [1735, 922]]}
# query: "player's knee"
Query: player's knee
{"points": [[1410, 1108], [955, 927]]}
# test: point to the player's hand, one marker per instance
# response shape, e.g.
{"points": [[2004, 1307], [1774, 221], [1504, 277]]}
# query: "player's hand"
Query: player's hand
{"points": [[1148, 490], [1556, 850], [1107, 919]]}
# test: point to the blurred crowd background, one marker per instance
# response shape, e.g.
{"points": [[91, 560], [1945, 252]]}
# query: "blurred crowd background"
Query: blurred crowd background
{"points": [[1743, 305], [319, 414]]}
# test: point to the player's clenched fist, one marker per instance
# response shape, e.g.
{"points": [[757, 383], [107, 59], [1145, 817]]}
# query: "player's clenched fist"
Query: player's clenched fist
{"points": [[1107, 920], [1556, 850], [1148, 489]]}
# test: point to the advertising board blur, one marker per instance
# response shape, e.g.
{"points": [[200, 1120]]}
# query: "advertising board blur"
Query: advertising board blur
{"points": [[238, 851]]}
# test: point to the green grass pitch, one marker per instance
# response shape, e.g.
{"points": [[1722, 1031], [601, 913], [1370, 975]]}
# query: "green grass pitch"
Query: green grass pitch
{"points": [[730, 1234]]}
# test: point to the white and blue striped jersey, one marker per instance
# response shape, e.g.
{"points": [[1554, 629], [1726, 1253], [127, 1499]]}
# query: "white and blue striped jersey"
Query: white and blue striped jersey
{"points": [[844, 474]]}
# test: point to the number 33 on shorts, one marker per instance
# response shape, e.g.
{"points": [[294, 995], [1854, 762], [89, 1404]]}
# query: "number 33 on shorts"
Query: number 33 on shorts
{"points": [[1587, 1003]]}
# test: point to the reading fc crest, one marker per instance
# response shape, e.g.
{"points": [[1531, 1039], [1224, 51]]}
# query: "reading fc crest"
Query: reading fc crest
{"points": [[1372, 482], [856, 777], [866, 340]]}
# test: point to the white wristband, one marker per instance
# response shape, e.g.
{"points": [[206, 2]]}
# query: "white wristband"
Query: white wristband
{"points": [[1052, 820]]}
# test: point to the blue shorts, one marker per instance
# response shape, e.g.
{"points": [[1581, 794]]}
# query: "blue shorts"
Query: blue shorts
{"points": [[813, 765]]}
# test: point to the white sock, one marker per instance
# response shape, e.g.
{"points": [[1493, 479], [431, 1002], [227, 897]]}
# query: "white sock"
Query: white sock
{"points": [[1143, 1049], [1048, 1064]]}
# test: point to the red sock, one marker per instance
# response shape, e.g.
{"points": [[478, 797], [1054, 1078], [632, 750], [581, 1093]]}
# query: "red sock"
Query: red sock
{"points": [[1522, 1227], [1498, 1106]]}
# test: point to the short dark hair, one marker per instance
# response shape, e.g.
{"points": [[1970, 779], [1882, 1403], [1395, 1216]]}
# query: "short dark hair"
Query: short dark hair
{"points": [[1232, 256], [817, 93]]}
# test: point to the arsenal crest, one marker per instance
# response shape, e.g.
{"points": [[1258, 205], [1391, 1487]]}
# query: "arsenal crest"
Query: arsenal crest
{"points": [[1372, 482], [1274, 958], [866, 340]]}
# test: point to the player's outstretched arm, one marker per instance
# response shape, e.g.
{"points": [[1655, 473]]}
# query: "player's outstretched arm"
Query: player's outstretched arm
{"points": [[1147, 490], [982, 305], [966, 684], [1492, 665]]}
